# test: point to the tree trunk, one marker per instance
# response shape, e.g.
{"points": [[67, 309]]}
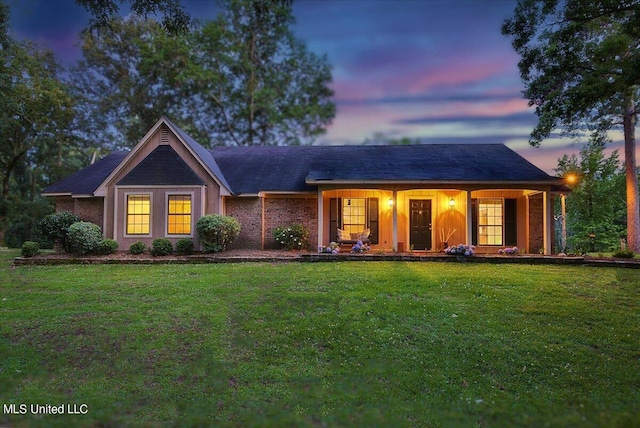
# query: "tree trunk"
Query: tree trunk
{"points": [[633, 202]]}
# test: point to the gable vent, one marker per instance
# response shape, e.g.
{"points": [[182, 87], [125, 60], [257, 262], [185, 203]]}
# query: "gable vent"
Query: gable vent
{"points": [[164, 136]]}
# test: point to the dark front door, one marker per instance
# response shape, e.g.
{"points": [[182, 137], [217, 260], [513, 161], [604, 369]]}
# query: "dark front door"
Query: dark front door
{"points": [[420, 224]]}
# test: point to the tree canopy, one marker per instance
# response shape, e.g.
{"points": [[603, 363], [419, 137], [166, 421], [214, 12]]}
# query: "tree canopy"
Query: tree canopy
{"points": [[127, 80], [580, 65], [596, 204], [241, 79], [259, 82], [35, 116], [174, 18]]}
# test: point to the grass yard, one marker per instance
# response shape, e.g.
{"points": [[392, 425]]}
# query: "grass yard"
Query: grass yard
{"points": [[386, 344]]}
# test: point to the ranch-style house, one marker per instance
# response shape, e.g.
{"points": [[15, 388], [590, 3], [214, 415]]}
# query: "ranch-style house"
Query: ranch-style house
{"points": [[398, 196]]}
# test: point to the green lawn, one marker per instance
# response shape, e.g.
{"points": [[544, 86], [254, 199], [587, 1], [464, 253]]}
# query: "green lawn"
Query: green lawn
{"points": [[386, 344]]}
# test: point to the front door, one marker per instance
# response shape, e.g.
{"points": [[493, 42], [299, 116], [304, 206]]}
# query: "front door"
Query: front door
{"points": [[420, 224]]}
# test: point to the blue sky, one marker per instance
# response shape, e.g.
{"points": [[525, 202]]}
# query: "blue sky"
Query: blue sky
{"points": [[434, 70]]}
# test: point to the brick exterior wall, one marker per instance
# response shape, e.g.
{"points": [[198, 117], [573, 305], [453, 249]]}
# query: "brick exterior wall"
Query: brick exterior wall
{"points": [[536, 226], [260, 215], [248, 211], [536, 222], [285, 211], [64, 204], [88, 209]]}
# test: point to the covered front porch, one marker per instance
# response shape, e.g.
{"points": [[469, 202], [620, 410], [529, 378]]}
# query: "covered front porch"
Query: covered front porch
{"points": [[411, 218]]}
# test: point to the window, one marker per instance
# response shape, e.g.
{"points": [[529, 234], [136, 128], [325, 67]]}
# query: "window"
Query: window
{"points": [[354, 215], [490, 221], [179, 215], [138, 214]]}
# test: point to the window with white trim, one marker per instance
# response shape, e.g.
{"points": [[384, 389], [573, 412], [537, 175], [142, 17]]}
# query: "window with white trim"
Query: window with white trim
{"points": [[179, 215], [138, 214], [490, 221], [354, 214]]}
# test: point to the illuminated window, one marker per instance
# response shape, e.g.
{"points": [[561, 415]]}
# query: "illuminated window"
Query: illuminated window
{"points": [[179, 215], [354, 215], [490, 221], [138, 214]]}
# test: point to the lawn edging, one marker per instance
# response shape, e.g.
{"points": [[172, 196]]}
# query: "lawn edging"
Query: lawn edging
{"points": [[442, 258], [329, 258]]}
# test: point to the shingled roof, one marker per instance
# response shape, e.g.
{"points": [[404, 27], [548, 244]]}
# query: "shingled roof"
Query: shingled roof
{"points": [[302, 168], [85, 181], [251, 170]]}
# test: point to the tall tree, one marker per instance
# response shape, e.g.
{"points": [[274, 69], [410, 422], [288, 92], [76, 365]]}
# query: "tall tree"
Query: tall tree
{"points": [[596, 205], [35, 113], [174, 18], [241, 79], [127, 80], [257, 83], [580, 63]]}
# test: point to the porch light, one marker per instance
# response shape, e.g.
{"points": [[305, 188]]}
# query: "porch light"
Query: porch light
{"points": [[452, 203], [390, 202]]}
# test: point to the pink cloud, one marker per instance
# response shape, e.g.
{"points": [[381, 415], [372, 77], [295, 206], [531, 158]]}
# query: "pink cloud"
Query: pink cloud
{"points": [[459, 70], [486, 109]]}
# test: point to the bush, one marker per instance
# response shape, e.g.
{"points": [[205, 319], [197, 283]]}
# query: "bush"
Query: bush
{"points": [[137, 248], [294, 237], [460, 250], [623, 254], [55, 227], [184, 247], [84, 237], [107, 246], [217, 232], [161, 247], [30, 249]]}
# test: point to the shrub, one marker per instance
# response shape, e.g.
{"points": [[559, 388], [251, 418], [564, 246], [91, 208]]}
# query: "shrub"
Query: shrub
{"points": [[55, 227], [107, 246], [84, 237], [333, 248], [360, 247], [509, 251], [217, 232], [460, 250], [623, 254], [184, 247], [30, 249], [161, 247], [294, 237], [137, 248]]}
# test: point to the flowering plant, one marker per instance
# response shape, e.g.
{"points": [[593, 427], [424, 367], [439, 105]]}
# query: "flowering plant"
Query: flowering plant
{"points": [[460, 250], [360, 247], [294, 237], [509, 251], [333, 248]]}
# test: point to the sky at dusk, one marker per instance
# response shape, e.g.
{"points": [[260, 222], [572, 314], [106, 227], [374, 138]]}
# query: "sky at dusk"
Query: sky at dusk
{"points": [[434, 70]]}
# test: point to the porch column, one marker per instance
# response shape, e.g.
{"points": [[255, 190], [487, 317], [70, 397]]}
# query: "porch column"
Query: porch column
{"points": [[469, 238], [546, 222], [527, 224], [564, 222], [394, 244], [320, 218]]}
